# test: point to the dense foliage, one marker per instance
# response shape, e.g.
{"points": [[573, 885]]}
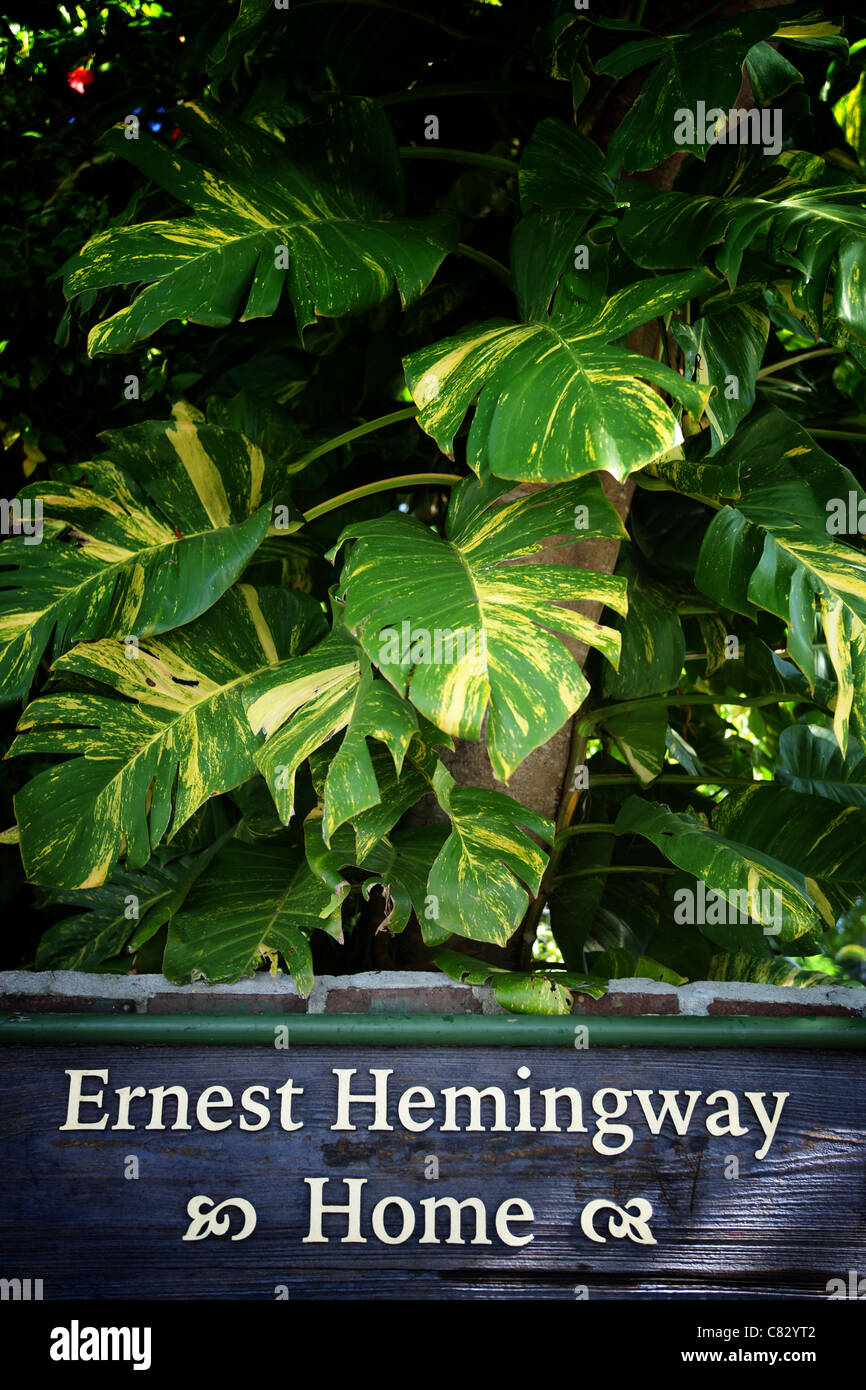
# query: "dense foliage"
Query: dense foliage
{"points": [[457, 381]]}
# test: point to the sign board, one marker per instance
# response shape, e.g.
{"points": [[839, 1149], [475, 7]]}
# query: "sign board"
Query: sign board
{"points": [[339, 1172]]}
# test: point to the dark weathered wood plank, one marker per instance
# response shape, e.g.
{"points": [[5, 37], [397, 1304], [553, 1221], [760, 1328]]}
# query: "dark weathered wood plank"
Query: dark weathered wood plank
{"points": [[786, 1225]]}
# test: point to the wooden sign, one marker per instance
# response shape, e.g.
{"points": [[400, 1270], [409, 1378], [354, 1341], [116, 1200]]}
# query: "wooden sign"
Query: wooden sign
{"points": [[434, 1173]]}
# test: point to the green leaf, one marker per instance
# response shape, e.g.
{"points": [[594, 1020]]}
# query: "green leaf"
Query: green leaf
{"points": [[769, 73], [640, 735], [318, 217], [402, 865], [562, 170], [724, 351], [728, 866], [302, 704], [169, 519], [775, 550], [521, 991], [807, 216], [397, 794], [810, 760], [253, 905], [653, 645], [555, 400], [477, 878], [126, 910], [462, 632], [399, 865], [622, 965], [171, 733], [824, 841], [705, 66], [736, 965]]}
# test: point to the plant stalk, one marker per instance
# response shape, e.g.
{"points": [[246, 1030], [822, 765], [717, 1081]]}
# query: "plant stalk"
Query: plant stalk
{"points": [[406, 480], [473, 157], [368, 427]]}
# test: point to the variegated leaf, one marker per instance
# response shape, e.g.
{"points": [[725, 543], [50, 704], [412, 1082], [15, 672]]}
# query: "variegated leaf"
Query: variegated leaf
{"points": [[810, 760], [806, 214], [302, 704], [555, 400], [127, 909], [771, 890], [774, 548], [736, 965], [705, 66], [317, 217], [254, 904], [171, 733], [398, 865], [821, 838], [480, 877], [723, 350], [522, 991], [168, 519], [462, 632]]}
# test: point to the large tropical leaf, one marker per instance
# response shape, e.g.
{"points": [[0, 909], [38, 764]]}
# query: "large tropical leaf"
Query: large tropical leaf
{"points": [[705, 66], [737, 965], [128, 905], [317, 217], [557, 399], [807, 217], [772, 549], [477, 881], [824, 840], [470, 878], [562, 170], [653, 645], [254, 904], [398, 865], [302, 704], [168, 519], [723, 350], [730, 865], [810, 760], [171, 733], [463, 632]]}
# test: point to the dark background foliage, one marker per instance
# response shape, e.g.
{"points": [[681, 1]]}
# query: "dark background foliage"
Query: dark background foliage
{"points": [[71, 72]]}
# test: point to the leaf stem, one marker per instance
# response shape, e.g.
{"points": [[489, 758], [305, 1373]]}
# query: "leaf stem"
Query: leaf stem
{"points": [[495, 267], [598, 716], [599, 870], [406, 480], [835, 434], [801, 357], [577, 753], [483, 161], [358, 432], [670, 779]]}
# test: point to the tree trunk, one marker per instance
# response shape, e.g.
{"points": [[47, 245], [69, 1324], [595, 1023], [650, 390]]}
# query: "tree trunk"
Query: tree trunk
{"points": [[539, 781]]}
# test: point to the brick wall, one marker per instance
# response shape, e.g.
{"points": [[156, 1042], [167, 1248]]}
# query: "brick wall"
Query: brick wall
{"points": [[398, 992]]}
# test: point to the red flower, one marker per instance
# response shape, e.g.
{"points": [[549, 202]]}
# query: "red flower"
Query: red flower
{"points": [[79, 78]]}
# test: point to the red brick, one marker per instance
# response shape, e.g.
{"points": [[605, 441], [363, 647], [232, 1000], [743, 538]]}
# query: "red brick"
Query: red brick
{"points": [[63, 1004], [204, 1003], [437, 999], [626, 1004], [762, 1008]]}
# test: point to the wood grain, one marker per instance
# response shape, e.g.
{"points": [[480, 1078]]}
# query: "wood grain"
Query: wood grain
{"points": [[784, 1227]]}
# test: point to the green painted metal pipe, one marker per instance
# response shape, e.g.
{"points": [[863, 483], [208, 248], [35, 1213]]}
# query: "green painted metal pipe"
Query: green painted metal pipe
{"points": [[429, 1030]]}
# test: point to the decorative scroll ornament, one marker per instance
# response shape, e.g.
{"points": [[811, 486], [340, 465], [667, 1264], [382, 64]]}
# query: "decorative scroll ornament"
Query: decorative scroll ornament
{"points": [[210, 1220], [621, 1223]]}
